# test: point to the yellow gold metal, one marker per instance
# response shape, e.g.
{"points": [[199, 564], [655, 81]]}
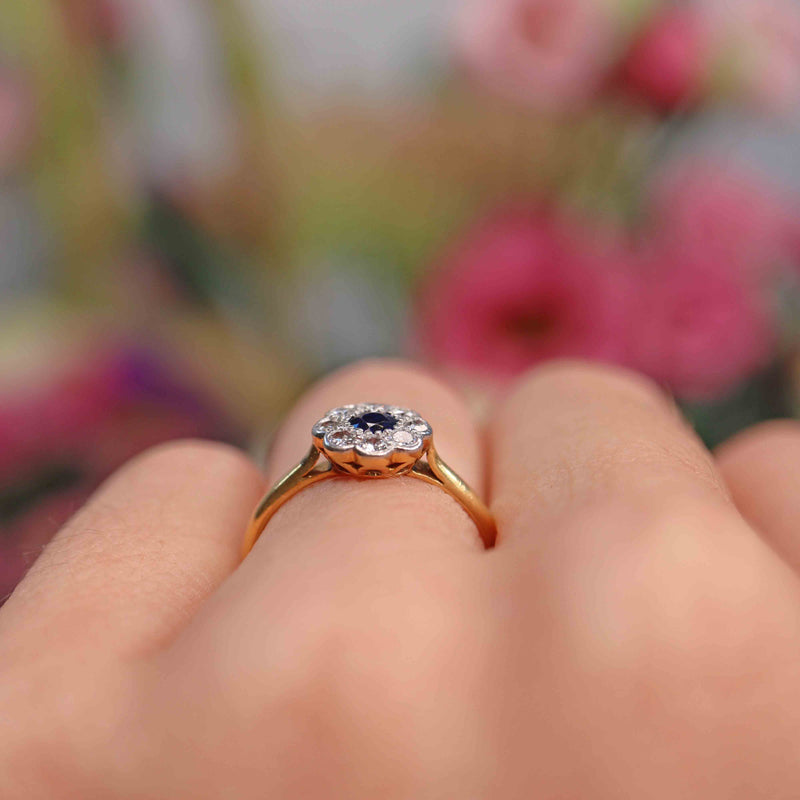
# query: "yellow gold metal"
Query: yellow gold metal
{"points": [[434, 471]]}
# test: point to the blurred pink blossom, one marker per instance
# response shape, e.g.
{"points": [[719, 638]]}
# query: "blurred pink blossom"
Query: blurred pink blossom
{"points": [[761, 40], [669, 62], [551, 54], [727, 213], [524, 286], [774, 80], [703, 330], [527, 285]]}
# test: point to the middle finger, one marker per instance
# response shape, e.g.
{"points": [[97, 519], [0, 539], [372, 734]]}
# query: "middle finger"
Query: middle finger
{"points": [[576, 438]]}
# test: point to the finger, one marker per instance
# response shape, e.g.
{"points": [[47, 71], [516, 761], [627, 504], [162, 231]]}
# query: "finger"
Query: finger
{"points": [[619, 536], [575, 437], [350, 578], [638, 580], [345, 535], [153, 542], [762, 470]]}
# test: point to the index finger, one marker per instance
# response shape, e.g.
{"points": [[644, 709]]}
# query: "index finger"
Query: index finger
{"points": [[139, 558]]}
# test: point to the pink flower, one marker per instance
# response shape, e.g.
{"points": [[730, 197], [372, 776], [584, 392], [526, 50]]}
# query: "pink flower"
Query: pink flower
{"points": [[668, 64], [716, 234], [761, 40], [551, 54], [746, 50], [524, 286], [703, 330], [725, 212], [527, 285], [774, 79]]}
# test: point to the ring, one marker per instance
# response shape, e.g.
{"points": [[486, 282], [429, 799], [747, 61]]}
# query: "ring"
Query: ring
{"points": [[371, 441]]}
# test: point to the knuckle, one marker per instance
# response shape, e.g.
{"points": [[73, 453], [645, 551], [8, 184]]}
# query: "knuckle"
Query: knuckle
{"points": [[180, 451], [392, 644], [58, 748], [384, 367], [568, 377], [702, 601], [176, 457], [687, 607], [762, 441], [677, 462], [380, 374]]}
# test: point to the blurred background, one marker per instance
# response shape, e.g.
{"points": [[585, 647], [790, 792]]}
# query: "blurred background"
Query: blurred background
{"points": [[205, 204]]}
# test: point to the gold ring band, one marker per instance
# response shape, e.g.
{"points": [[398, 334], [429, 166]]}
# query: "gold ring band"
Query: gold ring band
{"points": [[371, 441]]}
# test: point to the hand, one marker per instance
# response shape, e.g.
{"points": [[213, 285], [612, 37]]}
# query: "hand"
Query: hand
{"points": [[632, 635]]}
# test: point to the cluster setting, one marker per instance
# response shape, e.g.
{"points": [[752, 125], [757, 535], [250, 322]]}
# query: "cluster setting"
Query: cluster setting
{"points": [[372, 439]]}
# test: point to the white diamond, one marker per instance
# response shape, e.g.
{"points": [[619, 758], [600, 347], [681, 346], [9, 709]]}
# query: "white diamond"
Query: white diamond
{"points": [[339, 440], [374, 443], [419, 425], [325, 425], [404, 437]]}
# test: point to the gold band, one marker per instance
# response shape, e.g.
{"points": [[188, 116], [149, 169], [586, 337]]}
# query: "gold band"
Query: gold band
{"points": [[308, 472]]}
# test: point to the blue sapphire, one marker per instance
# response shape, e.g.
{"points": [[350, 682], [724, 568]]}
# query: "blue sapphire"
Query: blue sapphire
{"points": [[374, 421]]}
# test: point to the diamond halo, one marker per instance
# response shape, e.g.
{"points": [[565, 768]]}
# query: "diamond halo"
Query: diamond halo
{"points": [[372, 440]]}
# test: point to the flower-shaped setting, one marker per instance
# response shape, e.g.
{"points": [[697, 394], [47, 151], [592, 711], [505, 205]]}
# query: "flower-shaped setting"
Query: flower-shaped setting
{"points": [[372, 440]]}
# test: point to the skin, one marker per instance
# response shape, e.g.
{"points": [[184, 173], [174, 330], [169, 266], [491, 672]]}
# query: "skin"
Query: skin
{"points": [[634, 634]]}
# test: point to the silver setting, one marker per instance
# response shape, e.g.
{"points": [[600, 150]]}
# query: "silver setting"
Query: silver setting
{"points": [[377, 451]]}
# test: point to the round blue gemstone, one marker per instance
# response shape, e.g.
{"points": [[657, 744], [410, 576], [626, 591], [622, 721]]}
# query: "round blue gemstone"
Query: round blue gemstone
{"points": [[374, 421]]}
